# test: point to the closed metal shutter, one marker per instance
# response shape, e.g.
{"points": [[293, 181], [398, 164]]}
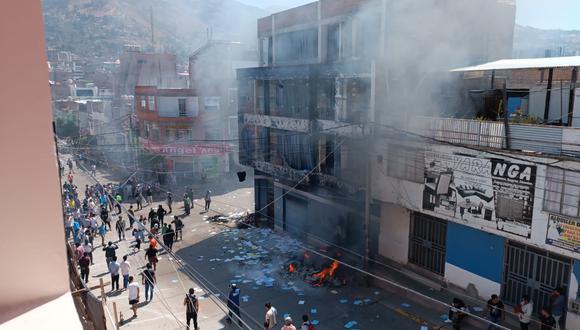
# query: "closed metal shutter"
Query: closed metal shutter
{"points": [[534, 272], [427, 242]]}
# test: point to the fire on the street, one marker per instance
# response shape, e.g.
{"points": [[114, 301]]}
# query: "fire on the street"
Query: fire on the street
{"points": [[326, 273]]}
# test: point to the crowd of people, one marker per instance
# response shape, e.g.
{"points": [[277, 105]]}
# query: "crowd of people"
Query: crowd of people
{"points": [[549, 317]]}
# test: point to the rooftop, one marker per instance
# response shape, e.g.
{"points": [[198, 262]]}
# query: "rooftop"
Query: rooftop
{"points": [[525, 63]]}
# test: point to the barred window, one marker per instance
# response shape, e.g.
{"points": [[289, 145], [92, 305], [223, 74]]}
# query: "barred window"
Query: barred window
{"points": [[562, 192], [406, 163]]}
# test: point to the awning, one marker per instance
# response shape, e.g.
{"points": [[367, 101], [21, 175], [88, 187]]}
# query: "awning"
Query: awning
{"points": [[525, 63]]}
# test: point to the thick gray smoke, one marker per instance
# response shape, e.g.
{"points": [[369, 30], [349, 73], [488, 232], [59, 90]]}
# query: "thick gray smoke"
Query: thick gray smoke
{"points": [[418, 41]]}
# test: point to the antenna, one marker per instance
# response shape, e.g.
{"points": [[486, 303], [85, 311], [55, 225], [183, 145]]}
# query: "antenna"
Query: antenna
{"points": [[152, 28]]}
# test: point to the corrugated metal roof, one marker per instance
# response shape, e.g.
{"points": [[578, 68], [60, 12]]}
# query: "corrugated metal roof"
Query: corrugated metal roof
{"points": [[525, 63]]}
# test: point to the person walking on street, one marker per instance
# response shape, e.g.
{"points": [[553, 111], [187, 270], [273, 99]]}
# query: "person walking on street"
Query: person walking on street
{"points": [[558, 305], [114, 268], [152, 216], [151, 256], [306, 324], [161, 214], [191, 308], [139, 200], [178, 228], [120, 227], [84, 264], [88, 249], [131, 214], [149, 194], [102, 233], [526, 308], [79, 251], [104, 214], [547, 319], [234, 304], [125, 270], [207, 200], [164, 233], [148, 280], [186, 204], [169, 201], [288, 324], [270, 319], [170, 234], [110, 252], [118, 200], [133, 289], [494, 310]]}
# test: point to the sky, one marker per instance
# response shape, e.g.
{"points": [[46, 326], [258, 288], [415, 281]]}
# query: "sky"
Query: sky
{"points": [[543, 14]]}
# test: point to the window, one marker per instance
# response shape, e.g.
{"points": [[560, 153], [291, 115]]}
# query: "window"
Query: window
{"points": [[333, 48], [168, 135], [143, 102], [182, 107], [406, 163], [183, 135], [152, 103], [211, 103], [562, 192], [297, 46], [266, 52]]}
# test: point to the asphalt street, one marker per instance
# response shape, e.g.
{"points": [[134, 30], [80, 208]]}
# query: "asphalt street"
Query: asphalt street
{"points": [[256, 260]]}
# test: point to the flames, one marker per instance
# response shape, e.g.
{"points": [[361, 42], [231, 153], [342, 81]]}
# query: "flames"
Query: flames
{"points": [[326, 272]]}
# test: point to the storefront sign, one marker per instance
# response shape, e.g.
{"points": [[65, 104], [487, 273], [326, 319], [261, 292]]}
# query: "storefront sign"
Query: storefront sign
{"points": [[185, 149], [481, 192], [563, 232]]}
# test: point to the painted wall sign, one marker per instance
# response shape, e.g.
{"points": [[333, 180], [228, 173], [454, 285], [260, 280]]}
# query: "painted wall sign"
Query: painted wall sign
{"points": [[563, 232], [482, 192]]}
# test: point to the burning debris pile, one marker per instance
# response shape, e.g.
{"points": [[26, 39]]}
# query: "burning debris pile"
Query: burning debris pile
{"points": [[267, 259], [315, 271], [242, 220]]}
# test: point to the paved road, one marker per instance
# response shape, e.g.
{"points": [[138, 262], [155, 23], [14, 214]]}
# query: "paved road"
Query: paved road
{"points": [[256, 260]]}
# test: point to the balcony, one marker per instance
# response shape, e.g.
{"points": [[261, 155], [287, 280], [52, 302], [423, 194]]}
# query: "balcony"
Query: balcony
{"points": [[284, 123], [544, 139], [307, 126]]}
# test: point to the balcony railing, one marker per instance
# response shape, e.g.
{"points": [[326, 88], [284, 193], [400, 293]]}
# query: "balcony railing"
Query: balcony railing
{"points": [[545, 139], [305, 125]]}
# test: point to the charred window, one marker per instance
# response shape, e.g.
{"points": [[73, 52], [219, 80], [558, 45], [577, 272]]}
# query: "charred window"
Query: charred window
{"points": [[297, 46]]}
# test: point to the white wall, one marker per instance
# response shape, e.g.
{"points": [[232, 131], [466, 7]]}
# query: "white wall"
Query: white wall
{"points": [[462, 278], [394, 233]]}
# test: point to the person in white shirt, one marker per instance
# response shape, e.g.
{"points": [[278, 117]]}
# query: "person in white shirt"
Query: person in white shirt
{"points": [[270, 320], [114, 270], [88, 248], [125, 270], [133, 290], [525, 314]]}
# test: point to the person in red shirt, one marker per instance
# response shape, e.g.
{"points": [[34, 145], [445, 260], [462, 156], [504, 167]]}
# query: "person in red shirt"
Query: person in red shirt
{"points": [[152, 242]]}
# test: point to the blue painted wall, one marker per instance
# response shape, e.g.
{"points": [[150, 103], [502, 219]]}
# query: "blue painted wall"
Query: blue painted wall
{"points": [[476, 251], [576, 272]]}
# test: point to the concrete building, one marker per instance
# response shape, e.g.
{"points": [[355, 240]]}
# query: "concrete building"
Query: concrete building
{"points": [[172, 125], [327, 71], [356, 142]]}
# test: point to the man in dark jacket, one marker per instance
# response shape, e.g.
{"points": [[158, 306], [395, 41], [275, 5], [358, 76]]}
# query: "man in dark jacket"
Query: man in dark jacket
{"points": [[110, 251], [160, 214]]}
